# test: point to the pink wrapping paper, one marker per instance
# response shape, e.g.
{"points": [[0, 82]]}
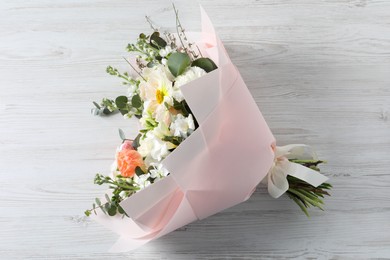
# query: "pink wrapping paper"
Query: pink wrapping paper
{"points": [[216, 167]]}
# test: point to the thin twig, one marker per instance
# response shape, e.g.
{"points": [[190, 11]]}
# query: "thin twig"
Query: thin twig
{"points": [[150, 23], [178, 25], [200, 53], [134, 68]]}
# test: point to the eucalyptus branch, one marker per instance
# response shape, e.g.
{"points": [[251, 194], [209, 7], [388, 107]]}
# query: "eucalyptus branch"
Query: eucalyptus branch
{"points": [[125, 76], [119, 185]]}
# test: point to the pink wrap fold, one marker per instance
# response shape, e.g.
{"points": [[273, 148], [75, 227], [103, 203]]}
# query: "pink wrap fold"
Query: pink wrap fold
{"points": [[216, 167]]}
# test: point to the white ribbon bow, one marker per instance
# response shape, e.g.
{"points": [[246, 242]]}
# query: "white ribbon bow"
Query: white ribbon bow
{"points": [[276, 178]]}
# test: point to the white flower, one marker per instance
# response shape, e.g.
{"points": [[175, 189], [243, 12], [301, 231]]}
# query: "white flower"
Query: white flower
{"points": [[164, 61], [159, 171], [161, 130], [182, 126], [153, 146], [164, 52], [162, 114], [123, 194], [142, 181], [190, 74], [131, 113], [131, 90], [147, 121], [156, 91]]}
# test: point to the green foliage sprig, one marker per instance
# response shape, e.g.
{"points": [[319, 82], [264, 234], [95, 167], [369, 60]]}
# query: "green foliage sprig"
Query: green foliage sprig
{"points": [[121, 188], [304, 194]]}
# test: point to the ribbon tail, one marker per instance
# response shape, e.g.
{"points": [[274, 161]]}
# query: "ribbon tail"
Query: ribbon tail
{"points": [[296, 151], [306, 174], [277, 182]]}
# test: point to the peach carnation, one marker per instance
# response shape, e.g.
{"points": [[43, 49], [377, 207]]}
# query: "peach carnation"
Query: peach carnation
{"points": [[127, 160]]}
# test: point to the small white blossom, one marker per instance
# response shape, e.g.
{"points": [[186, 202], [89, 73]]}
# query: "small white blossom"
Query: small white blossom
{"points": [[131, 90], [164, 61], [182, 126], [161, 130], [164, 52], [153, 146], [123, 194], [142, 181], [159, 171]]}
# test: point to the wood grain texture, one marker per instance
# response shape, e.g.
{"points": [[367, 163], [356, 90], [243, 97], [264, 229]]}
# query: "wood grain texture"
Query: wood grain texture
{"points": [[319, 71]]}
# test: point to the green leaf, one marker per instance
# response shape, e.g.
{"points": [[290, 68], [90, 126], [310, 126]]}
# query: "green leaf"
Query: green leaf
{"points": [[136, 101], [139, 171], [181, 106], [178, 62], [204, 63], [121, 210], [122, 134], [151, 64], [107, 197], [121, 102], [111, 210], [123, 111], [96, 105], [98, 202], [87, 213], [136, 141], [301, 206], [176, 140], [156, 41]]}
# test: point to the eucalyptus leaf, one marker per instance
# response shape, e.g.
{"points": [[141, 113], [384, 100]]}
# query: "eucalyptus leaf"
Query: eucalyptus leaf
{"points": [[156, 41], [121, 101], [178, 62], [111, 210], [136, 141], [151, 64], [107, 197], [121, 210], [123, 111], [96, 105], [136, 101], [106, 111], [98, 202], [204, 63], [122, 134]]}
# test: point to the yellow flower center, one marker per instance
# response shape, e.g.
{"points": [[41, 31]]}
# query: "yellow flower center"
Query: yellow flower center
{"points": [[160, 93]]}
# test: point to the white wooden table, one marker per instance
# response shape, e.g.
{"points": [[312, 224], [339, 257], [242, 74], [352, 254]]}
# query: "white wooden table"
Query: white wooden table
{"points": [[319, 71]]}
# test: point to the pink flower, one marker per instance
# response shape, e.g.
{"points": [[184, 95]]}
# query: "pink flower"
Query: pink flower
{"points": [[127, 145]]}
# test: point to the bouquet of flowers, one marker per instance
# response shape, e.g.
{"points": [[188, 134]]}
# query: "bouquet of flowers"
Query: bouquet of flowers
{"points": [[203, 145]]}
